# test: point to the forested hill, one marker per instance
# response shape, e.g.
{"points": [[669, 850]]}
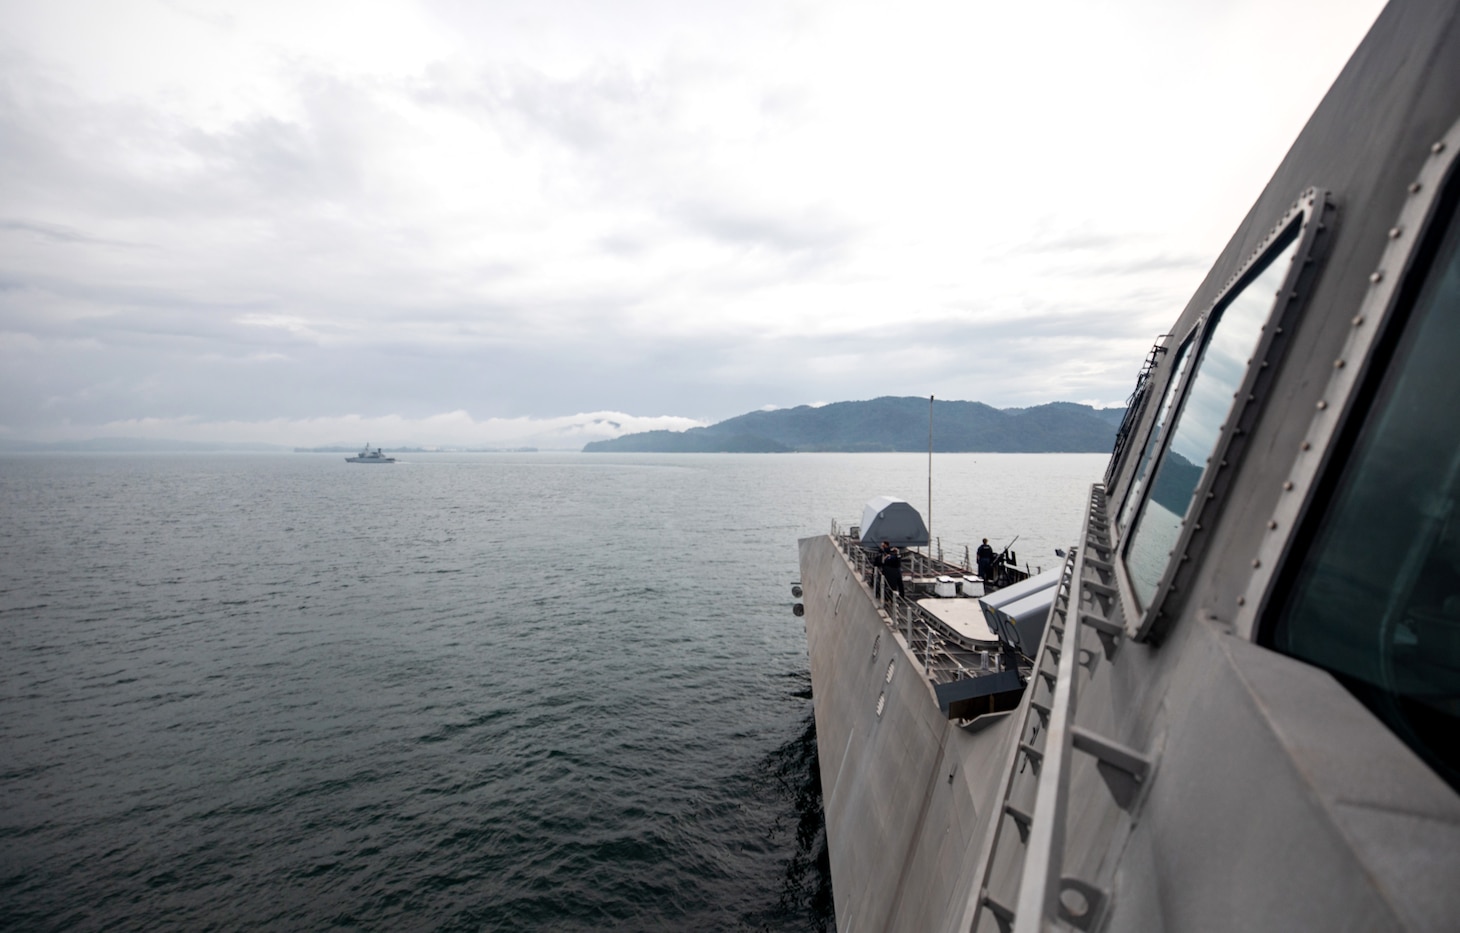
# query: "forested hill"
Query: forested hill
{"points": [[890, 424]]}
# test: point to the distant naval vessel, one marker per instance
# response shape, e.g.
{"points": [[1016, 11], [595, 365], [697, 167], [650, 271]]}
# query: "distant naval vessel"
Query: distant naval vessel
{"points": [[1241, 710], [370, 455]]}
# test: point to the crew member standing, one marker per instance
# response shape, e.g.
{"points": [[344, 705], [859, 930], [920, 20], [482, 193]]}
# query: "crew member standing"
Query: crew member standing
{"points": [[985, 561], [889, 559]]}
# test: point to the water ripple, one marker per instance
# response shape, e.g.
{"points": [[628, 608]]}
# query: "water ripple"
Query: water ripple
{"points": [[465, 693]]}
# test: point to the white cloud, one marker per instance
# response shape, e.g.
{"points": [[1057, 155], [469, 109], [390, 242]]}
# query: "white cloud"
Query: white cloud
{"points": [[224, 214], [447, 429]]}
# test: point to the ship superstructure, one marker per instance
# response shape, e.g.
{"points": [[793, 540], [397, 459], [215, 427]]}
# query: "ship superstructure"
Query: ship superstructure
{"points": [[1244, 711]]}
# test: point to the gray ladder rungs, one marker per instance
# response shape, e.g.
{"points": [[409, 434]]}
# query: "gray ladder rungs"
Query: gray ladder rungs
{"points": [[1102, 625], [1004, 915], [1021, 819], [1111, 752], [1035, 756]]}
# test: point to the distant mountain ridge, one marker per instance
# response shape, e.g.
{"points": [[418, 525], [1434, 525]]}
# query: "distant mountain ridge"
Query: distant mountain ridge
{"points": [[890, 424]]}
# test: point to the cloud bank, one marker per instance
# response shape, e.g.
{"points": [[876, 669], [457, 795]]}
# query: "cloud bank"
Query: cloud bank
{"points": [[285, 216], [456, 429]]}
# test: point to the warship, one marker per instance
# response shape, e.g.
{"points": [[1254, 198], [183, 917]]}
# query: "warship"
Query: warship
{"points": [[370, 455], [1239, 711]]}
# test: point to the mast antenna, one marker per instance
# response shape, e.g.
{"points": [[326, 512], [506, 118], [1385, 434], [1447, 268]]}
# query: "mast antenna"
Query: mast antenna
{"points": [[930, 476]]}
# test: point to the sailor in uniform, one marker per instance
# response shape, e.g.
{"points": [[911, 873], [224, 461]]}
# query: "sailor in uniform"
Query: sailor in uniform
{"points": [[985, 560], [889, 559]]}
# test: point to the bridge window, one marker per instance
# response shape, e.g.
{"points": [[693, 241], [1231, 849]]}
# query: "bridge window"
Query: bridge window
{"points": [[1376, 597], [1229, 341], [1153, 442]]}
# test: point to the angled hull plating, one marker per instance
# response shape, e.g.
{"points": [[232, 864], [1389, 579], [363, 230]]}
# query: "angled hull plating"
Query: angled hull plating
{"points": [[1239, 717]]}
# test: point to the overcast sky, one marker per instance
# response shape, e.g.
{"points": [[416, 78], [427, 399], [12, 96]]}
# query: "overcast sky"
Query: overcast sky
{"points": [[549, 221]]}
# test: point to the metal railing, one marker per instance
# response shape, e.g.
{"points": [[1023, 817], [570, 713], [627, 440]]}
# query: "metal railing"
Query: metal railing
{"points": [[943, 654], [934, 561]]}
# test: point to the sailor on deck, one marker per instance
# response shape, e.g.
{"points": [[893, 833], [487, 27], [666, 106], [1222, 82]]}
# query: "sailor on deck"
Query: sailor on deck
{"points": [[985, 559], [890, 560]]}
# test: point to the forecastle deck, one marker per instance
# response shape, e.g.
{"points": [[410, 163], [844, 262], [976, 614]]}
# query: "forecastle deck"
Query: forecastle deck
{"points": [[1209, 785], [899, 779]]}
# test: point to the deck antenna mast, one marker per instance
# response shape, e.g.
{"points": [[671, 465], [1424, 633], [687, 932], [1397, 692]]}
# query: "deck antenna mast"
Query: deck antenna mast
{"points": [[930, 476]]}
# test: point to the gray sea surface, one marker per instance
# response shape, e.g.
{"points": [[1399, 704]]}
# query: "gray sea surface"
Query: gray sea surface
{"points": [[473, 691]]}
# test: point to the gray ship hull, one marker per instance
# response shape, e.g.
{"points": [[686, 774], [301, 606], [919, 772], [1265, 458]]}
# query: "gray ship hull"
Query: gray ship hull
{"points": [[1243, 711], [898, 830], [1279, 802]]}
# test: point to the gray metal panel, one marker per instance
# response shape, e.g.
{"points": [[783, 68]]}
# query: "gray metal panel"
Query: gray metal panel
{"points": [[1367, 142], [1027, 616], [1033, 603], [893, 520], [1016, 591], [1272, 799], [1314, 451], [953, 697]]}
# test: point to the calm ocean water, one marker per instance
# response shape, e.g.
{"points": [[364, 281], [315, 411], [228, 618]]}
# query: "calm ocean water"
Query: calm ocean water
{"points": [[476, 692]]}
